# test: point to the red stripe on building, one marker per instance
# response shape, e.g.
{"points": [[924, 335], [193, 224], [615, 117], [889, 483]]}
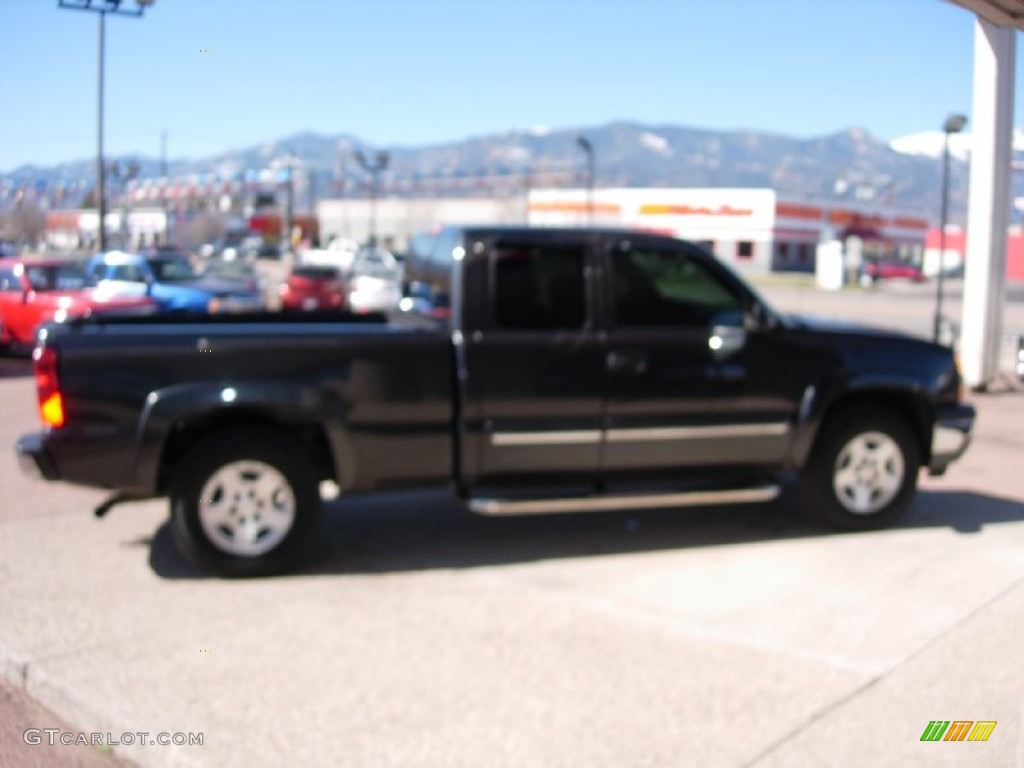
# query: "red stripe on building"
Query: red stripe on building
{"points": [[794, 211], [905, 222], [656, 209]]}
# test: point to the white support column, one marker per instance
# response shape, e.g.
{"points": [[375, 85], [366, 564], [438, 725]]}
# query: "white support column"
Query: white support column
{"points": [[988, 213]]}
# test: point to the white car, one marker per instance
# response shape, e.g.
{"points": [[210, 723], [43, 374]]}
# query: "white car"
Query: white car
{"points": [[374, 281], [339, 253]]}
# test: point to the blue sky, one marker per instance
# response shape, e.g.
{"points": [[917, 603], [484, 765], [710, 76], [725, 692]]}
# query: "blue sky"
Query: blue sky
{"points": [[403, 72]]}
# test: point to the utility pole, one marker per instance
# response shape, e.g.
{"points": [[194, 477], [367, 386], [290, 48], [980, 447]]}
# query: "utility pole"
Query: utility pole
{"points": [[163, 188], [588, 149], [286, 227], [101, 192], [103, 8]]}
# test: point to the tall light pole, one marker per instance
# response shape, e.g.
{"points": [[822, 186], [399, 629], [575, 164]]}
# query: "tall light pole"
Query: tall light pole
{"points": [[953, 124], [103, 7], [379, 163], [588, 149]]}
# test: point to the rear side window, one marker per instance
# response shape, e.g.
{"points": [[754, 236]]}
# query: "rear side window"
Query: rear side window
{"points": [[539, 287], [428, 266]]}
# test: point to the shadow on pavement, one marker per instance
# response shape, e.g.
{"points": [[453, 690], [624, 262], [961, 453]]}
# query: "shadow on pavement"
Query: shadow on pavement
{"points": [[408, 532]]}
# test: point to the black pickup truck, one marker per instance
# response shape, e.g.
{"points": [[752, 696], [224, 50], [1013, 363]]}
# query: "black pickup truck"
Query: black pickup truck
{"points": [[534, 370]]}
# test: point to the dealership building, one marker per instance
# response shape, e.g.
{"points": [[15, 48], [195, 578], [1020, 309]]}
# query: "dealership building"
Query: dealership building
{"points": [[755, 230]]}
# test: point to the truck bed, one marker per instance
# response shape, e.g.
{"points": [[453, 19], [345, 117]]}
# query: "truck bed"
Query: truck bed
{"points": [[361, 386]]}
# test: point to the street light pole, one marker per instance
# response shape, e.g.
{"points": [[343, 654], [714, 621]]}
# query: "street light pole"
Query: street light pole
{"points": [[380, 162], [588, 149], [953, 124], [103, 7]]}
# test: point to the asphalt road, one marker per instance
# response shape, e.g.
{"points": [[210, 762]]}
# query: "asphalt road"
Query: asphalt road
{"points": [[420, 635]]}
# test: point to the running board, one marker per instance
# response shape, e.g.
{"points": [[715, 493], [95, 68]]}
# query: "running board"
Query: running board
{"points": [[495, 507]]}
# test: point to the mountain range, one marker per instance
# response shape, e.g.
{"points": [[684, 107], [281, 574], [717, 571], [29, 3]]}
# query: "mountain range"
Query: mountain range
{"points": [[905, 173]]}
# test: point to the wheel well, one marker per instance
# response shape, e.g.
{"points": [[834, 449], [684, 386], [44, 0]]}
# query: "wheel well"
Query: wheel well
{"points": [[903, 404], [310, 439]]}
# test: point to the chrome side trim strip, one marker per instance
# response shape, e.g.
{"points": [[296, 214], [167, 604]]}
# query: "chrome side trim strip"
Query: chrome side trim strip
{"points": [[496, 507], [645, 434], [696, 433], [568, 437]]}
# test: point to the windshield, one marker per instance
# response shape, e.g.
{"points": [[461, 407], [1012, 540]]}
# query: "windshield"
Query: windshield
{"points": [[56, 277], [172, 270], [233, 270], [376, 263], [315, 273]]}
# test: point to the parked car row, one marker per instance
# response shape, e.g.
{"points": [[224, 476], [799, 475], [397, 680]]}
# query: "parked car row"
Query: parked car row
{"points": [[169, 278], [37, 291], [368, 280]]}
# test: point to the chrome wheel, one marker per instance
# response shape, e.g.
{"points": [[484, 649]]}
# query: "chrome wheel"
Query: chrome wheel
{"points": [[869, 472], [246, 508]]}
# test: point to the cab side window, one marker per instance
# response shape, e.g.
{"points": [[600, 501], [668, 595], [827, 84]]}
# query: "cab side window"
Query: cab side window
{"points": [[9, 282], [128, 272], [97, 272], [666, 287], [539, 287]]}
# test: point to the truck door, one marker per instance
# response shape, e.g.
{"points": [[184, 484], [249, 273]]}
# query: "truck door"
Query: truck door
{"points": [[533, 368], [690, 384]]}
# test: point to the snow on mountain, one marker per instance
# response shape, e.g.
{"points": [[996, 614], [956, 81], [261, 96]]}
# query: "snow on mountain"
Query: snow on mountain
{"points": [[930, 144], [655, 143]]}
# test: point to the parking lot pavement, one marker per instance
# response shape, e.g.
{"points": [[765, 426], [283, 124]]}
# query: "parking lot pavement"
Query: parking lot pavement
{"points": [[422, 636], [19, 712]]}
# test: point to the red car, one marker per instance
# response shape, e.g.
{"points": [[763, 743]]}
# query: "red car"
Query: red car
{"points": [[37, 291], [314, 288], [889, 270]]}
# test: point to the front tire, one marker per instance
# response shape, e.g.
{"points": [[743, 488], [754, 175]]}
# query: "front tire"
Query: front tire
{"points": [[863, 470], [244, 503]]}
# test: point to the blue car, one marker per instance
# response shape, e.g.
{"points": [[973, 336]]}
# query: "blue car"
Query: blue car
{"points": [[171, 281]]}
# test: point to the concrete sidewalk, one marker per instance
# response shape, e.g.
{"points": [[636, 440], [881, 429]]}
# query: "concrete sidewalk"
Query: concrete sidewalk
{"points": [[423, 636]]}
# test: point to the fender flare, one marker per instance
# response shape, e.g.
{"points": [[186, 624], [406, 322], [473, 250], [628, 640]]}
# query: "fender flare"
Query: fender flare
{"points": [[192, 403], [821, 398]]}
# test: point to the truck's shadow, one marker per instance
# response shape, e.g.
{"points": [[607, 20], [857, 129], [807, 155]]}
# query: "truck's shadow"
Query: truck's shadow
{"points": [[406, 532]]}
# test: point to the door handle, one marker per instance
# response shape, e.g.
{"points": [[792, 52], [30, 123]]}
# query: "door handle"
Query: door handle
{"points": [[631, 362]]}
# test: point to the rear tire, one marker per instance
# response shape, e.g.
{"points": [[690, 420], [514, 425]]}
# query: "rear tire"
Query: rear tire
{"points": [[244, 503], [863, 470]]}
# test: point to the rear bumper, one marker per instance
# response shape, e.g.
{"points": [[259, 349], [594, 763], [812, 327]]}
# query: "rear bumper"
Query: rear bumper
{"points": [[950, 436], [33, 458]]}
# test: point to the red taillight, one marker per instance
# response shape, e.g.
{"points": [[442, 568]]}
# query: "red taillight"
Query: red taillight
{"points": [[51, 406]]}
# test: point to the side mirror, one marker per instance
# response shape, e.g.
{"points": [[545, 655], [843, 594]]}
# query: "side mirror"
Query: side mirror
{"points": [[724, 341], [728, 334]]}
